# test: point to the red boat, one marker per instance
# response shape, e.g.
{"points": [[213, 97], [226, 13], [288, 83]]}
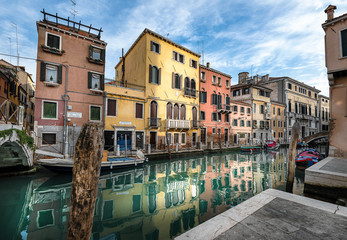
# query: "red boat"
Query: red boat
{"points": [[271, 145], [308, 157]]}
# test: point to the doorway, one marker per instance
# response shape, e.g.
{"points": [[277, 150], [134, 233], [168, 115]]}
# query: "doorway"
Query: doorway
{"points": [[153, 139], [203, 135], [226, 135], [194, 137], [139, 140], [121, 140]]}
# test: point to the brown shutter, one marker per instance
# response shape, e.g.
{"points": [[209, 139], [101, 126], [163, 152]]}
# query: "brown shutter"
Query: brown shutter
{"points": [[60, 73], [43, 72], [150, 73], [181, 81], [173, 80], [90, 51], [103, 55], [89, 80], [159, 76]]}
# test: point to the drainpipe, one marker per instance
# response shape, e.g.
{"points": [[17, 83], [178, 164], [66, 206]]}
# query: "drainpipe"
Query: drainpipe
{"points": [[66, 99]]}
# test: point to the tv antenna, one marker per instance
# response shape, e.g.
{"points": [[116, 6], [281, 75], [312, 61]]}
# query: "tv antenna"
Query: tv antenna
{"points": [[15, 25], [74, 11]]}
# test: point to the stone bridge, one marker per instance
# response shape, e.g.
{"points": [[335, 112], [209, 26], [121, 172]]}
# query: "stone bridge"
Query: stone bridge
{"points": [[315, 137], [16, 147]]}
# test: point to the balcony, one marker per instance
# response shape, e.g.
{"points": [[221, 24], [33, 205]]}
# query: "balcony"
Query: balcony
{"points": [[154, 122], [189, 92], [177, 124], [267, 116], [195, 124]]}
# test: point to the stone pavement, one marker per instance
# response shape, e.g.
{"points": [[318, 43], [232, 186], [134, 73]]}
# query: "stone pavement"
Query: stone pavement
{"points": [[274, 214]]}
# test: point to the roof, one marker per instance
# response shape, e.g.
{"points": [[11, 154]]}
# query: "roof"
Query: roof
{"points": [[146, 30], [322, 96], [278, 103], [241, 103], [334, 20], [241, 85], [294, 81], [214, 70]]}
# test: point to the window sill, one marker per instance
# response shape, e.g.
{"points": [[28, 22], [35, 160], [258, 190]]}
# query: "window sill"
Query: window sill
{"points": [[51, 84], [202, 80], [49, 118], [52, 50], [96, 90], [95, 61]]}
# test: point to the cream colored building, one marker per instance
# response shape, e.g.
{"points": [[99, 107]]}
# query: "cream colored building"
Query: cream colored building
{"points": [[324, 116]]}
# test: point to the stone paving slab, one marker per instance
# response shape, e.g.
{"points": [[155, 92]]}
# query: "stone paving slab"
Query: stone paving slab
{"points": [[274, 214]]}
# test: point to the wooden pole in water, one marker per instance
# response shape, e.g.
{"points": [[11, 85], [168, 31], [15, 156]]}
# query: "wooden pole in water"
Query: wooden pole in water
{"points": [[86, 172], [291, 156]]}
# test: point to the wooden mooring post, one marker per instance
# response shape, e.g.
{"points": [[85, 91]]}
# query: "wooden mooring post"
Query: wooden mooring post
{"points": [[291, 157], [86, 172]]}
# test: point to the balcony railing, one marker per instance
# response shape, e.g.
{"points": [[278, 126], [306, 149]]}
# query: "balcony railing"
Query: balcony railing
{"points": [[177, 124], [224, 108], [190, 92], [154, 122], [195, 123]]}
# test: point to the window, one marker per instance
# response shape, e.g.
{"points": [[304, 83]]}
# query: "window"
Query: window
{"points": [[235, 122], [202, 115], [273, 110], [136, 203], [236, 93], [53, 41], [202, 75], [183, 138], [242, 109], [94, 113], [45, 218], [296, 89], [154, 74], [95, 81], [227, 119], [96, 53], [289, 86], [193, 63], [278, 111], [254, 108], [111, 107], [214, 116], [176, 138], [227, 83], [214, 79], [50, 73], [235, 108], [248, 123], [242, 123], [50, 110], [219, 81], [274, 134], [176, 81], [177, 57], [203, 96], [262, 109], [214, 99], [309, 93], [213, 130], [219, 116], [155, 47], [274, 123], [139, 110], [48, 138]]}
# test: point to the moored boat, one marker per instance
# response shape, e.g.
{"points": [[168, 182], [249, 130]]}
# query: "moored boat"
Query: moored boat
{"points": [[308, 157], [251, 149], [271, 145], [108, 163]]}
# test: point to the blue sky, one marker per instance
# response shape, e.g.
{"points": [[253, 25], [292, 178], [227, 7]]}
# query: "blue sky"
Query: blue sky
{"points": [[280, 38]]}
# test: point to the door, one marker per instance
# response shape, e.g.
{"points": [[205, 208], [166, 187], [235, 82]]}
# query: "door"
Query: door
{"points": [[203, 135], [194, 137], [139, 140], [121, 135], [226, 135], [235, 138], [109, 140], [153, 139]]}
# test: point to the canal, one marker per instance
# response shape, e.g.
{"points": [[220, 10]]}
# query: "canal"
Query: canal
{"points": [[160, 200]]}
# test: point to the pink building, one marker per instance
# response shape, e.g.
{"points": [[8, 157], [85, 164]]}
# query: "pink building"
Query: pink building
{"points": [[241, 123], [69, 82], [214, 106]]}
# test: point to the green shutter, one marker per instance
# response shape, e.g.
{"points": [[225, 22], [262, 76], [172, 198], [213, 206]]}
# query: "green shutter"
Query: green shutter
{"points": [[150, 73], [159, 76]]}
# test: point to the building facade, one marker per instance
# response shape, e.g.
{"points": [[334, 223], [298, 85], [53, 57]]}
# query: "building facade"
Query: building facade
{"points": [[278, 121], [324, 113], [124, 117], [169, 74], [69, 82], [215, 106], [335, 29], [301, 101], [241, 123]]}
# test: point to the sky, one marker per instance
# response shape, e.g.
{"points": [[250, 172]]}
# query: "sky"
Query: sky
{"points": [[275, 37]]}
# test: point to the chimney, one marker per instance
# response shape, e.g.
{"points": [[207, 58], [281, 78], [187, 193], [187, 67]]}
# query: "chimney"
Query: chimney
{"points": [[243, 77], [330, 12], [208, 64]]}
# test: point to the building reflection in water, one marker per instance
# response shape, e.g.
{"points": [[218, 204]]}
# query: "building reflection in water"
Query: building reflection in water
{"points": [[160, 200]]}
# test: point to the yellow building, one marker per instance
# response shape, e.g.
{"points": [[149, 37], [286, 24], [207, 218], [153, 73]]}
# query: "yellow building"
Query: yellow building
{"points": [[124, 116], [169, 74], [278, 121]]}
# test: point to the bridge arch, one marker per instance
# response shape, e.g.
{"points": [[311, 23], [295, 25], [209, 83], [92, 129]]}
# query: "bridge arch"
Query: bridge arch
{"points": [[14, 150]]}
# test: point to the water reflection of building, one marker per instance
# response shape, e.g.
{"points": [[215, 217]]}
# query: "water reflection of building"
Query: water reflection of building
{"points": [[224, 180]]}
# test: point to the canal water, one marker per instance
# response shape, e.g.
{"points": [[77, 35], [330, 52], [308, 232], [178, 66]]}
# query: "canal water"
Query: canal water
{"points": [[160, 200]]}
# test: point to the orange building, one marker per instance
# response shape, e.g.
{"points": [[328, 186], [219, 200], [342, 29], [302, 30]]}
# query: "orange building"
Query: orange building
{"points": [[214, 106], [69, 82]]}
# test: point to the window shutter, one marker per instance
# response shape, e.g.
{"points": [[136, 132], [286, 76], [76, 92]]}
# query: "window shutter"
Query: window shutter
{"points": [[200, 96], [150, 73], [159, 48], [152, 47], [60, 73], [159, 76], [89, 80], [173, 80], [181, 78], [90, 51], [103, 55], [43, 72], [102, 85]]}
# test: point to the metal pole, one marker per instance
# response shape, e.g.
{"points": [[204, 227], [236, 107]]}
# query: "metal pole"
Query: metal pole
{"points": [[126, 146]]}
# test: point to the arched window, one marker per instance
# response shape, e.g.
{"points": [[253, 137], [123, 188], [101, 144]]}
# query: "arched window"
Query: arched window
{"points": [[193, 88], [176, 111], [183, 112], [219, 101], [169, 111]]}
